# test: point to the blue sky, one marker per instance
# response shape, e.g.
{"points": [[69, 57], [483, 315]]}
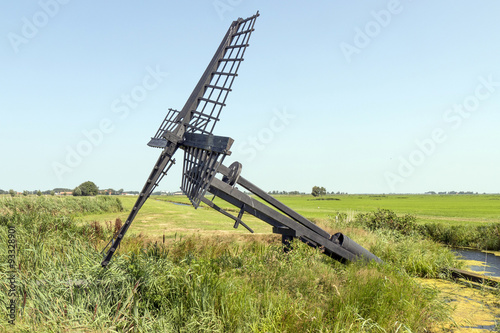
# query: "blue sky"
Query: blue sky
{"points": [[358, 97]]}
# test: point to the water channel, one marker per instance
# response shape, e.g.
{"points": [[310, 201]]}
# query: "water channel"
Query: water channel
{"points": [[179, 203], [487, 263], [475, 310]]}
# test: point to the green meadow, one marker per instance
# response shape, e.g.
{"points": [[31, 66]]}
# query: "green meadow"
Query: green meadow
{"points": [[161, 215], [449, 209]]}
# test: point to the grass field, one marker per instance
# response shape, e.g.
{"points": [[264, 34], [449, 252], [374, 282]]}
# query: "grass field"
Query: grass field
{"points": [[451, 209], [160, 216]]}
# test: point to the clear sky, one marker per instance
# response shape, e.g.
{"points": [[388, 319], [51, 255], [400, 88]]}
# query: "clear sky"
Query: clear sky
{"points": [[356, 96]]}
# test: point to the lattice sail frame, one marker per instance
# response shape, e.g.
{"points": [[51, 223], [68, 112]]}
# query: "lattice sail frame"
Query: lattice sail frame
{"points": [[203, 154], [207, 113], [200, 167], [168, 124], [218, 80]]}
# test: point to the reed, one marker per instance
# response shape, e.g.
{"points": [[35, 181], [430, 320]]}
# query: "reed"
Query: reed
{"points": [[479, 236], [58, 206]]}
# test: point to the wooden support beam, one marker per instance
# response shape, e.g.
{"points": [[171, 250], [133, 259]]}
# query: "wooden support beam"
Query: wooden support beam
{"points": [[474, 277]]}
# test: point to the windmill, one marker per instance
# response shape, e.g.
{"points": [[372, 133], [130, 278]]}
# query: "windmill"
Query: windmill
{"points": [[190, 129]]}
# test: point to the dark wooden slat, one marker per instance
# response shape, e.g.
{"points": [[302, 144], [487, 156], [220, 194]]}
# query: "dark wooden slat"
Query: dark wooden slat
{"points": [[219, 144], [243, 32], [231, 59], [237, 46], [249, 18], [217, 87], [212, 101], [224, 73], [471, 276]]}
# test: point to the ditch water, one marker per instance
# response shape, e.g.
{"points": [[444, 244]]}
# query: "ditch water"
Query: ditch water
{"points": [[487, 263], [179, 203], [474, 309]]}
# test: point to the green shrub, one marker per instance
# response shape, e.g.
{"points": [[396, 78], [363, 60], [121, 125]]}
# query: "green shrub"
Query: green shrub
{"points": [[387, 219]]}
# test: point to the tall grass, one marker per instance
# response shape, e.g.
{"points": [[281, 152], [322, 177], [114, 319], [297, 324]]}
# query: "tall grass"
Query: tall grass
{"points": [[482, 237], [208, 284], [194, 285], [399, 242], [54, 205], [416, 256]]}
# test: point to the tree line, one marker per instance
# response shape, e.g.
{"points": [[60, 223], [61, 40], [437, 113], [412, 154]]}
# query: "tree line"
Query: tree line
{"points": [[87, 188], [26, 193], [316, 192]]}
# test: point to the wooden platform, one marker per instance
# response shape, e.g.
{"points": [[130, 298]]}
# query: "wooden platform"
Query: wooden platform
{"points": [[471, 276]]}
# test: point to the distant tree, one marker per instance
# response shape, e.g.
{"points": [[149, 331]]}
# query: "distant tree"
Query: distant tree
{"points": [[39, 193], [12, 193], [88, 188], [61, 189], [25, 193], [317, 191], [77, 192], [52, 192]]}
